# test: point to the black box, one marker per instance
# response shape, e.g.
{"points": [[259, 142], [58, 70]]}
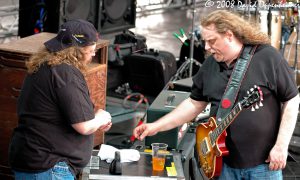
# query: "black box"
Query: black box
{"points": [[149, 71]]}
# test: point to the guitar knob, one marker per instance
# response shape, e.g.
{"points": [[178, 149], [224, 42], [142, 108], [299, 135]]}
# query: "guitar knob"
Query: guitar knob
{"points": [[211, 124]]}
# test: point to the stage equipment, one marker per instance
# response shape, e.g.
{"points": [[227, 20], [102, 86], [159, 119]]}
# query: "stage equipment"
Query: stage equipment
{"points": [[115, 166], [186, 148], [295, 67], [276, 29], [192, 39], [165, 102], [182, 37], [149, 71], [181, 85], [108, 16], [198, 56], [273, 18], [190, 166], [291, 51], [186, 65], [116, 15]]}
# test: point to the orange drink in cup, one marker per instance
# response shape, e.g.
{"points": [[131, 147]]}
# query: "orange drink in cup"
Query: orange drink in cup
{"points": [[159, 152]]}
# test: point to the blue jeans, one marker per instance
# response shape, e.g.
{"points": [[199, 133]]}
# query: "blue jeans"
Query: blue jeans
{"points": [[260, 172], [59, 172]]}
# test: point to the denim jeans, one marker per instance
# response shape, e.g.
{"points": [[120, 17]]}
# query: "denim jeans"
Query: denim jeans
{"points": [[59, 172], [260, 172]]}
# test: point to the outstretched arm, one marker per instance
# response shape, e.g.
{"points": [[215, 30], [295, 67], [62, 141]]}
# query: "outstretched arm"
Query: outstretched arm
{"points": [[184, 112]]}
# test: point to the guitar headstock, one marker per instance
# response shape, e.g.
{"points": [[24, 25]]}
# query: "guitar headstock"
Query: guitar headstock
{"points": [[254, 98]]}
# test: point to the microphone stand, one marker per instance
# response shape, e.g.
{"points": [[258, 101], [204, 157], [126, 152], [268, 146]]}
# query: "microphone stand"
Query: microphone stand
{"points": [[269, 20], [295, 67], [188, 63], [192, 40]]}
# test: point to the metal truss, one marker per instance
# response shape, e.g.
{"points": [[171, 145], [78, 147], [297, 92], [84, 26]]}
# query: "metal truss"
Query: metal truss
{"points": [[9, 16], [145, 7]]}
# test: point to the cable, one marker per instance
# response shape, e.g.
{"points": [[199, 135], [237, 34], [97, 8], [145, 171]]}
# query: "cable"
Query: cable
{"points": [[141, 99], [39, 25]]}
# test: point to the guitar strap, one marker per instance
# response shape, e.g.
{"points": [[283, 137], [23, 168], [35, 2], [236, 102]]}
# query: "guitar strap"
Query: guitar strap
{"points": [[234, 82]]}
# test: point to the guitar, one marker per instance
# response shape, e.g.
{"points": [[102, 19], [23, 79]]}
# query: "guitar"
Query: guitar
{"points": [[210, 137]]}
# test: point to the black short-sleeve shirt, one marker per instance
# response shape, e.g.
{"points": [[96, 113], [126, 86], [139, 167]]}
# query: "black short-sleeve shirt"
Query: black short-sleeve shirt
{"points": [[252, 134], [51, 100]]}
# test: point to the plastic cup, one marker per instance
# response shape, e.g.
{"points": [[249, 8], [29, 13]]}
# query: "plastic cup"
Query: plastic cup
{"points": [[159, 152]]}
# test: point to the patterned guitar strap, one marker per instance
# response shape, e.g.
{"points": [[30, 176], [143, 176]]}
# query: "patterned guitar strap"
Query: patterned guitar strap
{"points": [[234, 82]]}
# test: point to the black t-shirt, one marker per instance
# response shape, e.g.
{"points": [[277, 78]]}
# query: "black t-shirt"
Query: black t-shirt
{"points": [[252, 134], [51, 100]]}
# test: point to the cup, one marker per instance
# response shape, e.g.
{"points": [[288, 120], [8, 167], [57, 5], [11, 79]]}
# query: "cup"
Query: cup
{"points": [[159, 152]]}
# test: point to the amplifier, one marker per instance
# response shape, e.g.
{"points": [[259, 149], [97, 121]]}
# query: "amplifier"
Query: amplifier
{"points": [[182, 85], [164, 103]]}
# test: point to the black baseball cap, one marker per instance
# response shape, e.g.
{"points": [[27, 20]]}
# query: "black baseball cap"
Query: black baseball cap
{"points": [[73, 33]]}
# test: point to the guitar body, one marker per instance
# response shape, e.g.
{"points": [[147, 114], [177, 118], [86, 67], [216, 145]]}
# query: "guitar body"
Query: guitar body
{"points": [[210, 153], [210, 137]]}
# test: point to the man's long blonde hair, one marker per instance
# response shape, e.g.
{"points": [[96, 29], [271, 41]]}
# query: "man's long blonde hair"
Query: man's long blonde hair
{"points": [[71, 56], [243, 30]]}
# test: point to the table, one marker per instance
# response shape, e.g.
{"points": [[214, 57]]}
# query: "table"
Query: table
{"points": [[142, 169]]}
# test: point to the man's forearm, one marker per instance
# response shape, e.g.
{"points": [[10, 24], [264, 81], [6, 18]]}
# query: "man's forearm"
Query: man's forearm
{"points": [[288, 122], [185, 112]]}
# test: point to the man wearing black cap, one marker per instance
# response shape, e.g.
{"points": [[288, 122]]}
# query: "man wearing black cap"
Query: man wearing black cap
{"points": [[54, 138]]}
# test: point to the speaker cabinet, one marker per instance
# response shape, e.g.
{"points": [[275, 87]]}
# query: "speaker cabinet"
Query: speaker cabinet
{"points": [[186, 148], [116, 15], [108, 16]]}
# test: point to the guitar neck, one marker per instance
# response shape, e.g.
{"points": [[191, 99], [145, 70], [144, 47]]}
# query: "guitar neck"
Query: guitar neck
{"points": [[226, 122]]}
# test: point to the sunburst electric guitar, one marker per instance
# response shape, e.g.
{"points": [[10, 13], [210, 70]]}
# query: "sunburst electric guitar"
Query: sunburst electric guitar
{"points": [[210, 137]]}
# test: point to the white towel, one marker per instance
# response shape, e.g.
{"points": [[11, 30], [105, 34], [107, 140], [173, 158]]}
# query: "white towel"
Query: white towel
{"points": [[107, 153]]}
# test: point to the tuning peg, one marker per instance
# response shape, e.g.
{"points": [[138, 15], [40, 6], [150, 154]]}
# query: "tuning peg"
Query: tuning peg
{"points": [[256, 106], [251, 89], [255, 86], [252, 108], [261, 104], [248, 92]]}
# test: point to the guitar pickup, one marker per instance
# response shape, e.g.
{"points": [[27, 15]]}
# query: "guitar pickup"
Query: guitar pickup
{"points": [[205, 148]]}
